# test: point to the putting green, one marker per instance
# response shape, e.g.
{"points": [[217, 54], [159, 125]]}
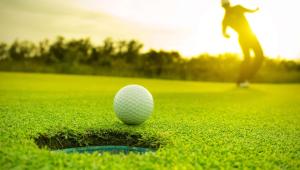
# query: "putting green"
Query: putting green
{"points": [[199, 125]]}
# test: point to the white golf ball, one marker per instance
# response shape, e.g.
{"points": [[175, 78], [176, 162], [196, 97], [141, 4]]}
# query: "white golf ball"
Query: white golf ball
{"points": [[133, 104]]}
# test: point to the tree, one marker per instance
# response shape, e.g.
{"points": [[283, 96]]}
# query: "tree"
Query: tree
{"points": [[130, 50], [78, 51], [3, 51], [21, 50], [106, 52], [56, 51]]}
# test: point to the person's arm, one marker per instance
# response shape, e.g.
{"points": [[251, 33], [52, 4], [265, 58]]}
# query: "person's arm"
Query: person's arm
{"points": [[251, 10], [248, 10], [224, 28]]}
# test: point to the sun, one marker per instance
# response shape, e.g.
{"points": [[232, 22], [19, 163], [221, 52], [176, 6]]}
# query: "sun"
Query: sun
{"points": [[194, 27]]}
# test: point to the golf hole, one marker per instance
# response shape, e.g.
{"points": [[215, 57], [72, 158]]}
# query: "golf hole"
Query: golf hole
{"points": [[103, 141]]}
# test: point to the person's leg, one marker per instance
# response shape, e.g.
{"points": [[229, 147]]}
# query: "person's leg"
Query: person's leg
{"points": [[258, 59], [246, 63]]}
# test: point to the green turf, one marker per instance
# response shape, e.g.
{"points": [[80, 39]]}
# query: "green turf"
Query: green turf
{"points": [[200, 125]]}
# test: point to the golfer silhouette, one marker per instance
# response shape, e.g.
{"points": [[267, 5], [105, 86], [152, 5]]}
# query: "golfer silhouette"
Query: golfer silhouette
{"points": [[235, 19]]}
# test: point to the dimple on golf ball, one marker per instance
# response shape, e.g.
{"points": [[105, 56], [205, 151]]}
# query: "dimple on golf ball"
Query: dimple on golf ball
{"points": [[133, 104]]}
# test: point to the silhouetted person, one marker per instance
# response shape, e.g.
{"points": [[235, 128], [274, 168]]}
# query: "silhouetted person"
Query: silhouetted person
{"points": [[235, 18]]}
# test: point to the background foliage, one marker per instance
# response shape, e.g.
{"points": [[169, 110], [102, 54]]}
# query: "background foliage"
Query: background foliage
{"points": [[127, 58]]}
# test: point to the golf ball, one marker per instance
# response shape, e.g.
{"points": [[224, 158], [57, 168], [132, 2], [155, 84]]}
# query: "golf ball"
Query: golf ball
{"points": [[133, 104]]}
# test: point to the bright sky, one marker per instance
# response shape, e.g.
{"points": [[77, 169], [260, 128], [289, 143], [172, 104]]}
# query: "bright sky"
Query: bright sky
{"points": [[188, 26]]}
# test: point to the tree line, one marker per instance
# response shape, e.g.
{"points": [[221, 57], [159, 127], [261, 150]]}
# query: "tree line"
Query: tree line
{"points": [[127, 58]]}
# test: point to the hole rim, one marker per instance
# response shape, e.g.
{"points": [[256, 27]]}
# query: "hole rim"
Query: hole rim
{"points": [[130, 142], [112, 149]]}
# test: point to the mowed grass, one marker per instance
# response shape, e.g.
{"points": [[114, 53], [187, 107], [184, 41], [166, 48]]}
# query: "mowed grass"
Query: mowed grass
{"points": [[200, 125]]}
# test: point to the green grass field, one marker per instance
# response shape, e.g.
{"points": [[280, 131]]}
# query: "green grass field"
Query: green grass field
{"points": [[198, 125]]}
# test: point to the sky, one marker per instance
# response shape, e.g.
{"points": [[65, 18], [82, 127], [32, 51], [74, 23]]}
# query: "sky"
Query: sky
{"points": [[191, 27]]}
